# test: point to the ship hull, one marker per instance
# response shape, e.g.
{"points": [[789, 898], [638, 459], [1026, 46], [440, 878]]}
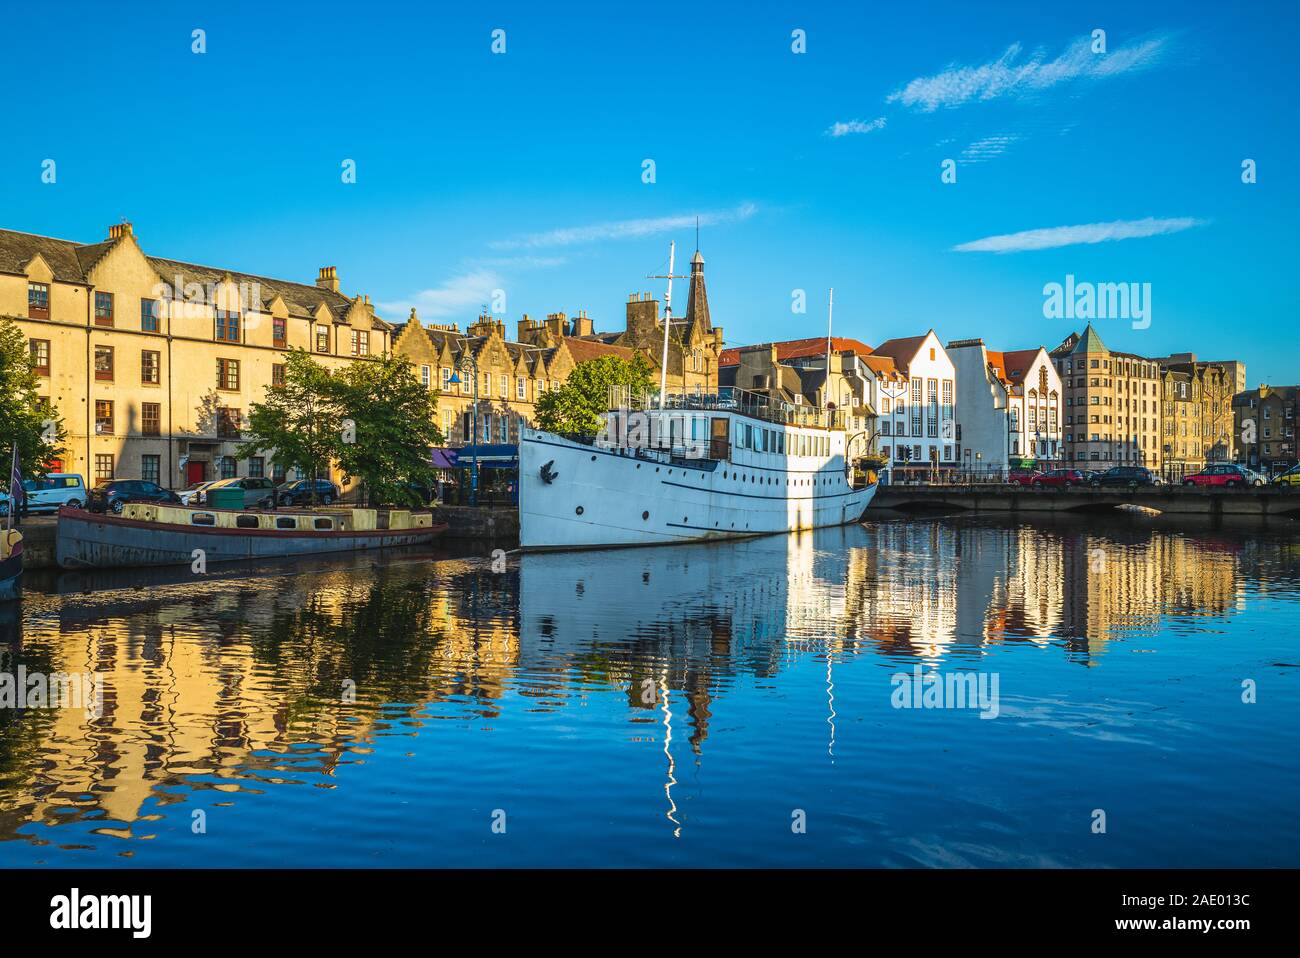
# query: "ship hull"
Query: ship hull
{"points": [[601, 498], [11, 577], [91, 541]]}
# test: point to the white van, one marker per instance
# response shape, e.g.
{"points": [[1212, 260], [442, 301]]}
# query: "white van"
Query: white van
{"points": [[47, 493]]}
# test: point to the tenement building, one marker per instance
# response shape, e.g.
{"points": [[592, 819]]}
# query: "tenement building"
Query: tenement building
{"points": [[1112, 404], [1196, 422], [1266, 427], [152, 363]]}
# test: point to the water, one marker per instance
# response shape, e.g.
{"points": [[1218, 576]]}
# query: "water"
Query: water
{"points": [[676, 706]]}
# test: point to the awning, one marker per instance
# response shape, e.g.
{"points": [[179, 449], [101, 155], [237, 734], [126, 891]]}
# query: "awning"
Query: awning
{"points": [[443, 458], [501, 452]]}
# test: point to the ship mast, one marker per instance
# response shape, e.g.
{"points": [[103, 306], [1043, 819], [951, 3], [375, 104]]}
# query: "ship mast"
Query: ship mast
{"points": [[830, 312], [668, 324]]}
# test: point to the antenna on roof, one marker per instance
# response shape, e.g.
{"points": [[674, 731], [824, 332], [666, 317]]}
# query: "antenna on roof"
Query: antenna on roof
{"points": [[697, 233]]}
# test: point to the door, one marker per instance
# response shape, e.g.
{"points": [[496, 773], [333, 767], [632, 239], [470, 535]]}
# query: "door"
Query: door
{"points": [[719, 439], [195, 472]]}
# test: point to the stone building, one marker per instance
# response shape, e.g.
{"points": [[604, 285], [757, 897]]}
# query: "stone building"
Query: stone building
{"points": [[1196, 420], [1265, 427], [919, 416], [152, 363], [1112, 404]]}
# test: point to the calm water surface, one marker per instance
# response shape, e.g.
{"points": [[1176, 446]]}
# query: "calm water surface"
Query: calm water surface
{"points": [[676, 706]]}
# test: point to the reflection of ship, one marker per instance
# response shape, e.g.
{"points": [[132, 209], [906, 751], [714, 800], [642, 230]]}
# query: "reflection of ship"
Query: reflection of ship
{"points": [[707, 467]]}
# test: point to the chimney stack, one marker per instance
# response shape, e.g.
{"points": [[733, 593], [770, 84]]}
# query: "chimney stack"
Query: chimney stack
{"points": [[582, 324], [118, 230], [328, 278]]}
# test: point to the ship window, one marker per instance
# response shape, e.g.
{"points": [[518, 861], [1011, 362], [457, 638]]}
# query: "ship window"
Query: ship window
{"points": [[284, 522], [203, 519], [325, 524], [645, 515], [246, 522], [578, 510]]}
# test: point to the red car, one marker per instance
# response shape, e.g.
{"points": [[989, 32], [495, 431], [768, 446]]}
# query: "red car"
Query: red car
{"points": [[1223, 474], [1024, 477], [1062, 478]]}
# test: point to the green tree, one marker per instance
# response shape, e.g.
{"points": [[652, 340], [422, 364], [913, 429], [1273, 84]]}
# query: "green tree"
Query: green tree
{"points": [[298, 423], [25, 418], [577, 406], [395, 425]]}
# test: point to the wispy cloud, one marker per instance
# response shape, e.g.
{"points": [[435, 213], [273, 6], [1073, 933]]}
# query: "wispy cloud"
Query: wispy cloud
{"points": [[845, 127], [989, 147], [625, 229], [1003, 77], [1054, 236], [456, 296]]}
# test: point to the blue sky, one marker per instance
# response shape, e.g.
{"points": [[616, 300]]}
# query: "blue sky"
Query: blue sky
{"points": [[522, 171]]}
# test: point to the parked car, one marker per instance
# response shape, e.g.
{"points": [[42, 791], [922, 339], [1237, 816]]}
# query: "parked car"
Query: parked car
{"points": [[298, 492], [1289, 479], [1224, 474], [1023, 477], [1062, 478], [1131, 476], [257, 492], [52, 490], [112, 495], [190, 494]]}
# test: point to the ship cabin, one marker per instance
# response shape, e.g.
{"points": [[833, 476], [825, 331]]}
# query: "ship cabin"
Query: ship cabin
{"points": [[746, 429]]}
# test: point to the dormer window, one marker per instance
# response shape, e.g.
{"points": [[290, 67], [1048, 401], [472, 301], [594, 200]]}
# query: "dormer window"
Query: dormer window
{"points": [[38, 301], [322, 339], [227, 326]]}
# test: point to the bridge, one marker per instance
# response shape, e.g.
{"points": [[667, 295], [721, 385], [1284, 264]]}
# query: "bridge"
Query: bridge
{"points": [[1267, 501]]}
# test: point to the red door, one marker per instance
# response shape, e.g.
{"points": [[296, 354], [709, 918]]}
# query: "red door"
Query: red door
{"points": [[195, 472]]}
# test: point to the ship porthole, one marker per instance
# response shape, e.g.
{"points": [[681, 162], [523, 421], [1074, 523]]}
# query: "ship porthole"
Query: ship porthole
{"points": [[645, 515], [578, 510], [593, 458]]}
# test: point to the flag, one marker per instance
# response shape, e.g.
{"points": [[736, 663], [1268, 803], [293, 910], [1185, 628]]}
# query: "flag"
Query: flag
{"points": [[17, 494]]}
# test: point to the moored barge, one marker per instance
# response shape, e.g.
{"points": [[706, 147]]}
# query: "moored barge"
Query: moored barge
{"points": [[150, 534]]}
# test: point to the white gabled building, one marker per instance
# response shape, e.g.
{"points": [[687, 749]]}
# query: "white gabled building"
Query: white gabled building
{"points": [[918, 419], [1010, 406]]}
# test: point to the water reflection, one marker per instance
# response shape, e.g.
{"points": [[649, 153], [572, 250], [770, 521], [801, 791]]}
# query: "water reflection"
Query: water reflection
{"points": [[227, 689]]}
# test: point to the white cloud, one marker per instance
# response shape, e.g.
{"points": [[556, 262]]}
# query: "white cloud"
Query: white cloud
{"points": [[458, 295], [958, 85], [989, 147], [1054, 236], [843, 128], [625, 229]]}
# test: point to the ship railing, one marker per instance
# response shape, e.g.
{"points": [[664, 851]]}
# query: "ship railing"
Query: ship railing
{"points": [[732, 399]]}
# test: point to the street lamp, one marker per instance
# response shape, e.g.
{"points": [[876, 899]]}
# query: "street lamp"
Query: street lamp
{"points": [[472, 360]]}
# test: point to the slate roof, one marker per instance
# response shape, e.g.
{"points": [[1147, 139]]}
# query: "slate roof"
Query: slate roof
{"points": [[72, 263]]}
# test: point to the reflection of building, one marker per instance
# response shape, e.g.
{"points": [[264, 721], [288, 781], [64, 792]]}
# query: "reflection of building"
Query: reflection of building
{"points": [[153, 363]]}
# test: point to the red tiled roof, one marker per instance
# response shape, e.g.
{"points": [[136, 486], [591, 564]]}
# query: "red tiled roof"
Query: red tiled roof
{"points": [[798, 348], [1011, 366], [902, 350], [583, 349]]}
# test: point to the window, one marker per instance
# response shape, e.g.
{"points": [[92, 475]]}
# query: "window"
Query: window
{"points": [[277, 374], [149, 362], [227, 326], [446, 378], [521, 390], [256, 467], [103, 309], [228, 374], [150, 419], [149, 311], [360, 342], [104, 363], [228, 423], [40, 349], [322, 339], [424, 377], [279, 337], [151, 468], [504, 381], [38, 301], [103, 417], [103, 466], [228, 470]]}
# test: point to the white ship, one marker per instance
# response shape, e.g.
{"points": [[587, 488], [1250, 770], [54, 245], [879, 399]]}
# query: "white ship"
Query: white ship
{"points": [[706, 467]]}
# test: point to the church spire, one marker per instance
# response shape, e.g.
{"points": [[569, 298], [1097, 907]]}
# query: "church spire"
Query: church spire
{"points": [[697, 300]]}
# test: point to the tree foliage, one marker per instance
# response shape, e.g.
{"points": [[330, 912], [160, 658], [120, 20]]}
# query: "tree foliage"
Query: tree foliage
{"points": [[373, 418], [25, 418], [576, 407]]}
